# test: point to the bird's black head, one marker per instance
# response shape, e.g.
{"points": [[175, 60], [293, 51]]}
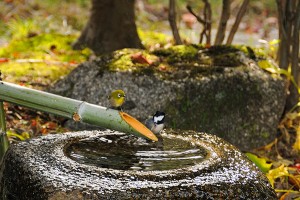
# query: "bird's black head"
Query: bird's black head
{"points": [[159, 117]]}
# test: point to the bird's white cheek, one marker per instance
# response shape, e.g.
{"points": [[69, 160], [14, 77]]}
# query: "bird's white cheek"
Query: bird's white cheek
{"points": [[158, 118]]}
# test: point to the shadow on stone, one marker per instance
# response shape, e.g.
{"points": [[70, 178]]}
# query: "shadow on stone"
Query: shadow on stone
{"points": [[112, 165]]}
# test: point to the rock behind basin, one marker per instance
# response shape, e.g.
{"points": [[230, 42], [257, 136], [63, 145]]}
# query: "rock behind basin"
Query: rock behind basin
{"points": [[218, 90], [42, 168]]}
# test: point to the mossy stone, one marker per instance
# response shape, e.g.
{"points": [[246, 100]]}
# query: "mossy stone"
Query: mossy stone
{"points": [[219, 90]]}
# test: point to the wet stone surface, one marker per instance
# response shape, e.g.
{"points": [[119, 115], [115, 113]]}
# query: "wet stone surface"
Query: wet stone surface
{"points": [[72, 166]]}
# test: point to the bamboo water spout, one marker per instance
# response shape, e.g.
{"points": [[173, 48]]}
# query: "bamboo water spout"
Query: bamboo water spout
{"points": [[73, 109]]}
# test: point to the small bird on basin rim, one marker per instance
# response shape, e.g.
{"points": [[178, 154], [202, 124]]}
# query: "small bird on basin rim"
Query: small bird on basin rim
{"points": [[156, 123]]}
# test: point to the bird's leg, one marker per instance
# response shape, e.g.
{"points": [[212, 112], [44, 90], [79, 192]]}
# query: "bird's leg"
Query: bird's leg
{"points": [[120, 108]]}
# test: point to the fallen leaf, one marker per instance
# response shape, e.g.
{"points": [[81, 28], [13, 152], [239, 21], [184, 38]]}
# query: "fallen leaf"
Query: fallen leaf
{"points": [[162, 67], [33, 123], [296, 145], [13, 134], [25, 135], [273, 174], [289, 194], [44, 131], [140, 58], [297, 166], [73, 62], [51, 125], [4, 60], [207, 45], [293, 180], [261, 163]]}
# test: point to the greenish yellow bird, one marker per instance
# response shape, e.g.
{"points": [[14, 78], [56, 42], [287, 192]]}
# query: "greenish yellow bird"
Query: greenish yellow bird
{"points": [[116, 99]]}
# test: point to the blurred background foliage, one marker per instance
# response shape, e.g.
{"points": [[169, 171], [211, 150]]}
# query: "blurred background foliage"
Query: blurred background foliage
{"points": [[42, 31], [35, 50]]}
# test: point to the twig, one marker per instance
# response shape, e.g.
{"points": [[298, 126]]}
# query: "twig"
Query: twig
{"points": [[223, 22], [207, 26], [172, 21], [237, 21], [206, 22], [199, 19]]}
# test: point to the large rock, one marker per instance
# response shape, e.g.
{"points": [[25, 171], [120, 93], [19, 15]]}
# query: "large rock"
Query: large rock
{"points": [[217, 90], [203, 167]]}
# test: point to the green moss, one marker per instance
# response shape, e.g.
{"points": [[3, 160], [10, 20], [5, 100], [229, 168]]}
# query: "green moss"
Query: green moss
{"points": [[265, 135], [122, 60], [177, 62], [44, 46], [153, 39], [179, 53], [40, 58], [41, 73]]}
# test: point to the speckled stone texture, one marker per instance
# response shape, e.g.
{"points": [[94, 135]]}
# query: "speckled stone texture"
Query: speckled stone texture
{"points": [[39, 169], [241, 104]]}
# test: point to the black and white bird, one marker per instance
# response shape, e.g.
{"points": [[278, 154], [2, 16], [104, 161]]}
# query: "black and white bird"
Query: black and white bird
{"points": [[156, 123]]}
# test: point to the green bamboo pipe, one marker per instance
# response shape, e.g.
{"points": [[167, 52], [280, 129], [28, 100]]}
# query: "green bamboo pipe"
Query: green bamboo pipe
{"points": [[73, 109]]}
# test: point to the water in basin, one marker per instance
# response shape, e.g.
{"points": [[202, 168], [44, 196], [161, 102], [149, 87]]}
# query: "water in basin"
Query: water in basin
{"points": [[132, 153]]}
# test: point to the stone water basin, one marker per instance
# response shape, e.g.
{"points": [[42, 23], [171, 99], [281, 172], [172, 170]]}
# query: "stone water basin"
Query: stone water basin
{"points": [[113, 165]]}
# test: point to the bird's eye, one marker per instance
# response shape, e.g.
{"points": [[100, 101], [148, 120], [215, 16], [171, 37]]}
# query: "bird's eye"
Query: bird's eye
{"points": [[119, 95]]}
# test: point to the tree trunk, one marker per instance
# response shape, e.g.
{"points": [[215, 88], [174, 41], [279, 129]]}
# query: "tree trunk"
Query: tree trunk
{"points": [[237, 21], [293, 97], [288, 52], [284, 34], [111, 26], [223, 22], [172, 21]]}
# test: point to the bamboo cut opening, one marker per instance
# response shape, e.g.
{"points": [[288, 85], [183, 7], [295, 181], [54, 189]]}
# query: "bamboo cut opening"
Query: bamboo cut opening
{"points": [[138, 126]]}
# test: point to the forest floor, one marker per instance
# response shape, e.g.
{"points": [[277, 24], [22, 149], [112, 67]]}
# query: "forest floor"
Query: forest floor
{"points": [[35, 51]]}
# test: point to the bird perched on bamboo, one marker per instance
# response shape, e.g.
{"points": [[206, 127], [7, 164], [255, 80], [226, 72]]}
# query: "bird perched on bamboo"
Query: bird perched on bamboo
{"points": [[156, 122], [117, 99]]}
